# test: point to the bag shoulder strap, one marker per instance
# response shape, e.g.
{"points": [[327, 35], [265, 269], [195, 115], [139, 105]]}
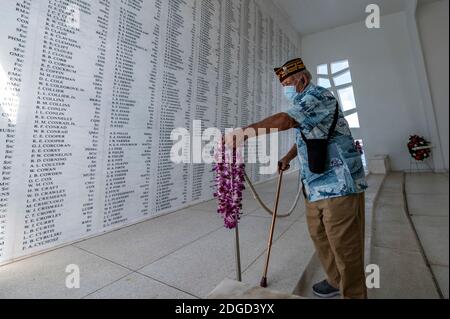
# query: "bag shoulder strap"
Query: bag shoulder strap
{"points": [[335, 120], [333, 125]]}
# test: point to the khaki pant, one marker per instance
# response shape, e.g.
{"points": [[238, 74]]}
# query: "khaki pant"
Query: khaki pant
{"points": [[337, 229]]}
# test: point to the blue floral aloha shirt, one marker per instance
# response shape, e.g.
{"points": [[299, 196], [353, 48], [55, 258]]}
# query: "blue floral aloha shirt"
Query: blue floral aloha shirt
{"points": [[314, 111]]}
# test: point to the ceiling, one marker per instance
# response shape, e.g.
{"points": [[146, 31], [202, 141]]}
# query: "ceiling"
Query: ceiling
{"points": [[310, 16]]}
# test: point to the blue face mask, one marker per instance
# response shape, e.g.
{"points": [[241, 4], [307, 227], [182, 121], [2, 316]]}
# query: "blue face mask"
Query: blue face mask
{"points": [[290, 92]]}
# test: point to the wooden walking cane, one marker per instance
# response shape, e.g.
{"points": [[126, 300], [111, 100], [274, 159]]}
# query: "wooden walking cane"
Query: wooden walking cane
{"points": [[272, 230]]}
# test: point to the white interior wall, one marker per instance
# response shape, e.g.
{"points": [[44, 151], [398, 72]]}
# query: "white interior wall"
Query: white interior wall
{"points": [[387, 91], [433, 23]]}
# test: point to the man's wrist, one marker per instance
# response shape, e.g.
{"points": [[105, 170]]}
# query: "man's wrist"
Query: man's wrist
{"points": [[290, 157]]}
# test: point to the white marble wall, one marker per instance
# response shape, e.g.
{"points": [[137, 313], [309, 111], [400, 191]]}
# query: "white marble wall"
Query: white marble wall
{"points": [[90, 93]]}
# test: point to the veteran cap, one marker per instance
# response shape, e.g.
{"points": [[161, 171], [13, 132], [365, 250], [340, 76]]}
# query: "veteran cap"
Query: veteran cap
{"points": [[290, 68]]}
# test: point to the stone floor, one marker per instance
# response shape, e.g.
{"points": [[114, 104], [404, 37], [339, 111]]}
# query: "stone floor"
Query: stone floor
{"points": [[428, 205], [187, 254], [397, 249]]}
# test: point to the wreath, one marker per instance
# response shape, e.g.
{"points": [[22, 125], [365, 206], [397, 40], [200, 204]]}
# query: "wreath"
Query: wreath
{"points": [[419, 148]]}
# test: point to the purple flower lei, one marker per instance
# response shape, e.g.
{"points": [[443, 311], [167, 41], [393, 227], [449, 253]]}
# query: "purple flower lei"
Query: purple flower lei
{"points": [[230, 169]]}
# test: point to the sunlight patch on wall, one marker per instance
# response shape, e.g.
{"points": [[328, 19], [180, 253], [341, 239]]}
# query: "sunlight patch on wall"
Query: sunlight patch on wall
{"points": [[9, 100]]}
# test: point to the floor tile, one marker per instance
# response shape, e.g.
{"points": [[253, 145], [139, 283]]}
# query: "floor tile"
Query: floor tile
{"points": [[44, 276], [137, 286], [201, 266], [141, 244]]}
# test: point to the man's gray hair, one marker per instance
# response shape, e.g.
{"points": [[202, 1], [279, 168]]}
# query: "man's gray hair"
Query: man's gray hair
{"points": [[307, 74], [304, 72]]}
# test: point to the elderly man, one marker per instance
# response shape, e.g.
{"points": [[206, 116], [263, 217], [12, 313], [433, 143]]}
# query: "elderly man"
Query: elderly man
{"points": [[332, 175]]}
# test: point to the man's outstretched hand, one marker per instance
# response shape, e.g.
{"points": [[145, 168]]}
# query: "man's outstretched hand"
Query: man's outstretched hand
{"points": [[234, 139]]}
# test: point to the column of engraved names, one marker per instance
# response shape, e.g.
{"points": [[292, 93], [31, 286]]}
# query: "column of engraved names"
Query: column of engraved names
{"points": [[16, 14], [230, 64], [51, 149], [147, 195], [103, 9], [273, 85], [255, 114], [176, 102], [121, 145], [260, 92], [244, 35], [207, 86], [247, 74]]}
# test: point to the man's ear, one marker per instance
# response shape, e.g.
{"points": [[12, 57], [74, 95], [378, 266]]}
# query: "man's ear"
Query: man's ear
{"points": [[304, 80]]}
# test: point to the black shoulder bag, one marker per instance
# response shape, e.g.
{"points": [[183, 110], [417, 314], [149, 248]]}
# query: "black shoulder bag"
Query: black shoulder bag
{"points": [[318, 148]]}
